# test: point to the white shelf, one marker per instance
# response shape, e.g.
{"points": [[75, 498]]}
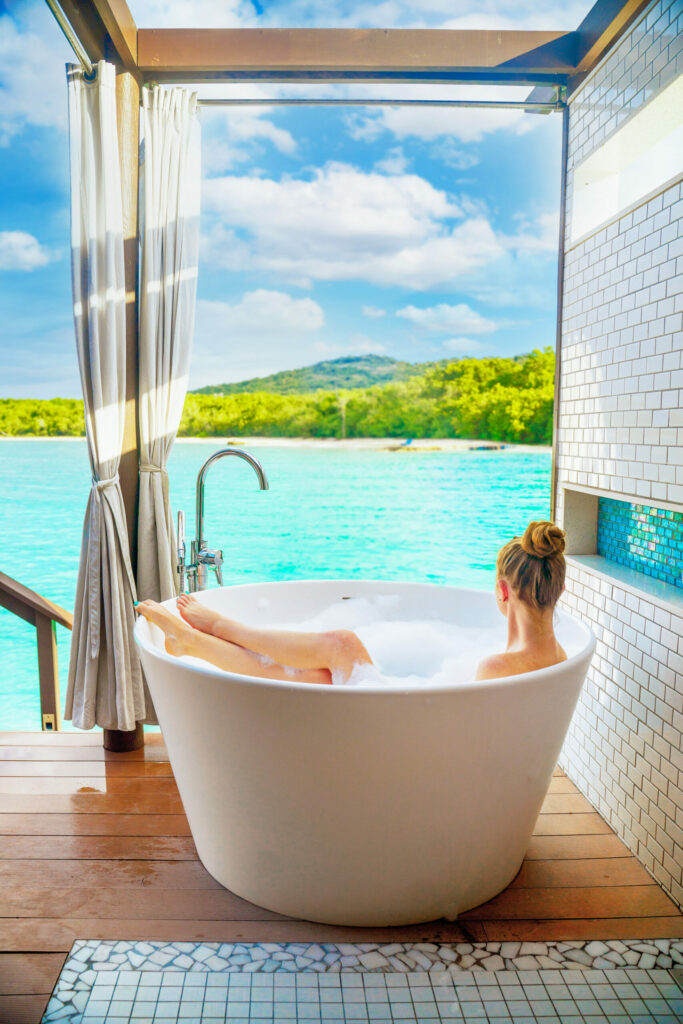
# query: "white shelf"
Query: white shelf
{"points": [[637, 583]]}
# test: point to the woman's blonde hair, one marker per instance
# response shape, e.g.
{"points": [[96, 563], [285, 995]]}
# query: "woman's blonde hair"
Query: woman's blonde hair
{"points": [[534, 564]]}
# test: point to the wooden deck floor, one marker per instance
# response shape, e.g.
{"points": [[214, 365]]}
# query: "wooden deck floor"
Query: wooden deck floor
{"points": [[96, 845]]}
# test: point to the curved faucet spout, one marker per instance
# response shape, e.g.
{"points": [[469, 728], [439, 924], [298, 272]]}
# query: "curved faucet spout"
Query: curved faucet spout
{"points": [[201, 480]]}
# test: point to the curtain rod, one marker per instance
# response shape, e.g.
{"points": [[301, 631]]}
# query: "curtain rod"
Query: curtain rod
{"points": [[71, 36], [306, 102]]}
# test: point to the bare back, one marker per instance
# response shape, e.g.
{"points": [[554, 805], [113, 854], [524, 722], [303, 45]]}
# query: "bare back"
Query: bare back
{"points": [[525, 659]]}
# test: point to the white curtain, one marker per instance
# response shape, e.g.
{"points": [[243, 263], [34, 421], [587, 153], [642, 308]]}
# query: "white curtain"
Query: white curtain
{"points": [[105, 682], [169, 230]]}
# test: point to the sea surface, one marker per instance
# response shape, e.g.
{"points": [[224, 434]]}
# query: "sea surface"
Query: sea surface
{"points": [[436, 517]]}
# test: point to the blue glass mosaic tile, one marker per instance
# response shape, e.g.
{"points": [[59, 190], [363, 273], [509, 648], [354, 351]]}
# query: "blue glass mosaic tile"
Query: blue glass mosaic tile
{"points": [[649, 540]]}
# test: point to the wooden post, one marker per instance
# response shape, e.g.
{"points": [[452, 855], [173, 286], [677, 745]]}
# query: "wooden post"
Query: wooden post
{"points": [[128, 119], [48, 673]]}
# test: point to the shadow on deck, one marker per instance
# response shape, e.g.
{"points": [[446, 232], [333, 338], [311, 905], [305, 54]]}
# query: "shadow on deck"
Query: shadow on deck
{"points": [[95, 845]]}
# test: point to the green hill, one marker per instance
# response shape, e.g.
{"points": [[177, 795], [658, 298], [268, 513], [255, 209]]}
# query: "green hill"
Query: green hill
{"points": [[347, 373]]}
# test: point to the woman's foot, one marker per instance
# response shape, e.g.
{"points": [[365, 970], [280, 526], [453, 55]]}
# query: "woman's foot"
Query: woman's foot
{"points": [[196, 613], [178, 634]]}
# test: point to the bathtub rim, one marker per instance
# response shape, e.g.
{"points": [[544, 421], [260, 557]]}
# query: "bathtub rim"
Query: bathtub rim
{"points": [[212, 672]]}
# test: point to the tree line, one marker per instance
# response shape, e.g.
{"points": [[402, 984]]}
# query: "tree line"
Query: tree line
{"points": [[495, 399]]}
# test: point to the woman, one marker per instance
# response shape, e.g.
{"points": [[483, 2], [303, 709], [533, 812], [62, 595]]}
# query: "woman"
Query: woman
{"points": [[529, 583], [530, 579]]}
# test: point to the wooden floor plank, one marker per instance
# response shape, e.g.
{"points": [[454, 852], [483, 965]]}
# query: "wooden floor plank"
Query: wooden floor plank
{"points": [[221, 905], [45, 849], [55, 740], [571, 825], [585, 928], [100, 769], [65, 738], [23, 974], [141, 903], [561, 784], [566, 803], [572, 847], [543, 874], [157, 874], [188, 873], [89, 803], [57, 786], [34, 752], [139, 801], [22, 1009], [560, 903], [94, 825], [59, 934]]}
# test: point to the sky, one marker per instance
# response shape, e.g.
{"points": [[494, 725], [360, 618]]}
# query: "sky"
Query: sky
{"points": [[415, 233]]}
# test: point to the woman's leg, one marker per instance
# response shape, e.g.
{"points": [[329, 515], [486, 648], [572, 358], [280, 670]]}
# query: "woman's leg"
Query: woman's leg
{"points": [[336, 650], [183, 639]]}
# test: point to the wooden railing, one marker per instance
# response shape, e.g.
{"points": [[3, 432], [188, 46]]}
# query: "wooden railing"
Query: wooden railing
{"points": [[44, 615]]}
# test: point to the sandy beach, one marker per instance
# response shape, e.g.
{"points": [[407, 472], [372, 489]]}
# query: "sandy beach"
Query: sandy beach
{"points": [[379, 444]]}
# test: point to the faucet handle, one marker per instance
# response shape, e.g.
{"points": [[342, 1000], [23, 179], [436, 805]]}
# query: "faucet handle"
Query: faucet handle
{"points": [[181, 535], [213, 558]]}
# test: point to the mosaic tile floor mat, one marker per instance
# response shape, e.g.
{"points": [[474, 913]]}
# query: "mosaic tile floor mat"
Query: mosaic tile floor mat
{"points": [[95, 988]]}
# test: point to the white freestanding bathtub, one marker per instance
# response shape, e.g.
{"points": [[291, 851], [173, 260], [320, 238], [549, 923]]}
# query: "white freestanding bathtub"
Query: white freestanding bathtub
{"points": [[362, 805]]}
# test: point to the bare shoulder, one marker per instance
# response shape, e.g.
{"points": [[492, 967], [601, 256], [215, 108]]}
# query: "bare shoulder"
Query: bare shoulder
{"points": [[513, 663], [495, 667]]}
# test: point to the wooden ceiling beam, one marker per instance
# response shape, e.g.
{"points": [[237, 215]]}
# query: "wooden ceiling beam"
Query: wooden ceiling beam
{"points": [[602, 27], [106, 29], [361, 54]]}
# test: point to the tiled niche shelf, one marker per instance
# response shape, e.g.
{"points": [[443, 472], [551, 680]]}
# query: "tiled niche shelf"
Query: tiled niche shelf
{"points": [[602, 528], [641, 537]]}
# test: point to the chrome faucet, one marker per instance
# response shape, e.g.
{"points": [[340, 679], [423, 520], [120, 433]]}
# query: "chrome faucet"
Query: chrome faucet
{"points": [[202, 558]]}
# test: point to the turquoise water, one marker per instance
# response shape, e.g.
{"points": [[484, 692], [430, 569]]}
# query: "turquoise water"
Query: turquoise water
{"points": [[436, 517]]}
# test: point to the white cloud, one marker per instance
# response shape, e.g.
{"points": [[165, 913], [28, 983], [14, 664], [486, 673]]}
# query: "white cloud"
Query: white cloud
{"points": [[512, 14], [264, 332], [444, 318], [466, 124], [231, 136], [395, 162], [539, 235], [21, 251], [357, 345], [463, 346], [261, 312], [452, 155], [32, 77], [193, 13], [343, 224], [337, 203], [373, 312]]}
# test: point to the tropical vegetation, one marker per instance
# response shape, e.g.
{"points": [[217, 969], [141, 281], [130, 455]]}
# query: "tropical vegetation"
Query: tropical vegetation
{"points": [[509, 400]]}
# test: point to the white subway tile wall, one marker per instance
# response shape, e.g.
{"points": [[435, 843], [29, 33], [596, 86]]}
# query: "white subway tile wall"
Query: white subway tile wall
{"points": [[621, 431]]}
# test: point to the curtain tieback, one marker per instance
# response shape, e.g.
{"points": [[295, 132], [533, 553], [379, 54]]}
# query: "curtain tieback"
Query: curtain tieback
{"points": [[145, 468], [100, 485]]}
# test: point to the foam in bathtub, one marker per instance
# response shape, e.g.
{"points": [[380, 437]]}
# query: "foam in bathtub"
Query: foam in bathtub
{"points": [[405, 652]]}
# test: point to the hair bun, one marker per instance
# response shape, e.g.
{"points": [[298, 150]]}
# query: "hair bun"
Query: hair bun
{"points": [[543, 539]]}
